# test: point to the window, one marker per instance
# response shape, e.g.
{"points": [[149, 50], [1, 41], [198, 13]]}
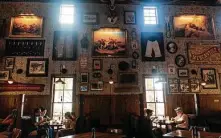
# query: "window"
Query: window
{"points": [[155, 95], [150, 15], [63, 97], [67, 14]]}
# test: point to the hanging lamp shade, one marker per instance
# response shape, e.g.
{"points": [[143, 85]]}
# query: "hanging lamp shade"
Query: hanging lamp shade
{"points": [[60, 81], [161, 80], [10, 80]]}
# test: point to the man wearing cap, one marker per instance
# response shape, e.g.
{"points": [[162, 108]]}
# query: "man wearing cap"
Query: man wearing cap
{"points": [[181, 119]]}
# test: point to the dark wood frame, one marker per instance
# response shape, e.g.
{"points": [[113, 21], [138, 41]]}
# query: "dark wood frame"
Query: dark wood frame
{"points": [[13, 58], [183, 58], [197, 83], [180, 69], [90, 13], [28, 74], [100, 62], [204, 87], [93, 89], [168, 49], [128, 84], [84, 74], [125, 14], [6, 78], [188, 84]]}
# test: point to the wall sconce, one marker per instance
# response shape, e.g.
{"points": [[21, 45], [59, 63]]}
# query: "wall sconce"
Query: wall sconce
{"points": [[10, 79], [111, 81], [110, 72]]}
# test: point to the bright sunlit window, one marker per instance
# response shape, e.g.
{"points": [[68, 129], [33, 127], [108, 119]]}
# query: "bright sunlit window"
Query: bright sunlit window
{"points": [[155, 96], [67, 14], [150, 15]]}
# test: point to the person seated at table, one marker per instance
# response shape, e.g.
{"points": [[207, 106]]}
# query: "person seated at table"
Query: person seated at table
{"points": [[181, 119], [8, 121], [83, 124], [43, 115]]}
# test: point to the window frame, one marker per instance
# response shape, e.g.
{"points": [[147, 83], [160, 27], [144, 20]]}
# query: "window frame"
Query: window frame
{"points": [[61, 14], [156, 12]]}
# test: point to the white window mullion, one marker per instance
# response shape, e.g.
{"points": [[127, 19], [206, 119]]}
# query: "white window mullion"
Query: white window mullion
{"points": [[150, 15]]}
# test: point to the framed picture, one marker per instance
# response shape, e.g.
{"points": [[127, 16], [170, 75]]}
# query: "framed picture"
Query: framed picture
{"points": [[83, 88], [193, 26], [26, 26], [209, 76], [9, 63], [97, 64], [84, 77], [180, 61], [90, 18], [152, 46], [172, 47], [182, 72], [173, 85], [65, 45], [128, 78], [97, 86], [184, 85], [4, 75], [171, 69], [109, 42], [129, 17], [204, 54], [194, 85], [37, 67]]}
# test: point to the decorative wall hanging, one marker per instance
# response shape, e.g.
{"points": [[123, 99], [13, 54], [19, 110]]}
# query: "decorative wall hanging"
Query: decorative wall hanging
{"points": [[135, 55], [84, 77], [180, 61], [109, 42], [167, 26], [84, 41], [182, 72], [134, 64], [97, 75], [26, 26], [204, 54], [184, 85], [65, 45], [171, 69], [83, 88], [173, 85], [37, 67], [112, 14], [129, 17], [193, 26], [4, 75], [83, 61], [209, 76], [90, 18], [97, 64], [152, 46], [97, 86], [9, 62], [172, 47], [4, 87], [123, 66], [134, 42], [24, 47], [128, 78], [194, 85]]}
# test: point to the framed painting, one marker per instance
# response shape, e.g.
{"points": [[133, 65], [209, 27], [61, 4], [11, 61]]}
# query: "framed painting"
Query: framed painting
{"points": [[171, 69], [173, 85], [209, 76], [83, 88], [172, 47], [84, 77], [128, 78], [37, 67], [65, 45], [194, 85], [109, 42], [4, 75], [90, 18], [97, 86], [152, 46], [193, 27], [204, 54], [97, 64], [180, 61], [129, 17], [184, 85], [26, 26], [9, 62], [183, 72]]}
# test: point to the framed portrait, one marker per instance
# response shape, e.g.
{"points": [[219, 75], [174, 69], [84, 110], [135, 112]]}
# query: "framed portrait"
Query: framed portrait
{"points": [[152, 46], [172, 47], [194, 85], [83, 88], [26, 26], [182, 72], [209, 76], [109, 42], [65, 45], [4, 75], [37, 67], [90, 18], [173, 85], [84, 77], [184, 85], [171, 69], [97, 86], [129, 17], [97, 64], [193, 27], [180, 61], [9, 63]]}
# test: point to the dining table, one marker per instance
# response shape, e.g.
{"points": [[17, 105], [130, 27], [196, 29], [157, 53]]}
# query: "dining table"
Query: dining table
{"points": [[188, 134], [97, 134]]}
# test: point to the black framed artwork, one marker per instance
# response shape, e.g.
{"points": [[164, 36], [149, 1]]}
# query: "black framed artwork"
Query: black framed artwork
{"points": [[180, 61], [37, 67], [183, 72], [90, 18], [129, 17], [152, 46], [209, 76], [65, 45], [172, 47]]}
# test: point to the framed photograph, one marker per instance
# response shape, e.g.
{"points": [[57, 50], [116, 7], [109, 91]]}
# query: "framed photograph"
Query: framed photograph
{"points": [[84, 77], [128, 78], [26, 26], [152, 46], [184, 85], [37, 67], [172, 47], [129, 17], [9, 63], [180, 61], [90, 18], [194, 85], [171, 69], [182, 72], [83, 88], [97, 86], [109, 42], [65, 45], [209, 76], [4, 75], [173, 85], [193, 26], [97, 64]]}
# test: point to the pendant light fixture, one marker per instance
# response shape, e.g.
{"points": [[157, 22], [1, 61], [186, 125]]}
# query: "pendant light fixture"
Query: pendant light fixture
{"points": [[60, 80]]}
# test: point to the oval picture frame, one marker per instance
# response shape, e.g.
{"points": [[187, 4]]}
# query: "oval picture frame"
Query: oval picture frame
{"points": [[135, 55], [180, 61], [172, 47]]}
